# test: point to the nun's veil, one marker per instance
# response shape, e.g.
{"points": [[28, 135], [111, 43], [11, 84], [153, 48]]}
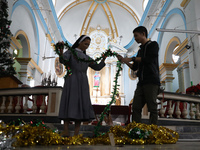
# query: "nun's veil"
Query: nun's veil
{"points": [[81, 38]]}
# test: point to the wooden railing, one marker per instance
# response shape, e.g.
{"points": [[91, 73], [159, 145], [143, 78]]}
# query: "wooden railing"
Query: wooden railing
{"points": [[36, 100]]}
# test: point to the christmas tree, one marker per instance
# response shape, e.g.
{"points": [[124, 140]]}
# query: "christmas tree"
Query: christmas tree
{"points": [[6, 60]]}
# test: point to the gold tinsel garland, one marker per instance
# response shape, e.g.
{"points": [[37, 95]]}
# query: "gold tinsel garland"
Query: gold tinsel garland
{"points": [[27, 135]]}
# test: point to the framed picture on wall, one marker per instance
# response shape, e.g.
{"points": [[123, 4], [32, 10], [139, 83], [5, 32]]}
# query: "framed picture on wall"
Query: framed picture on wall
{"points": [[59, 68]]}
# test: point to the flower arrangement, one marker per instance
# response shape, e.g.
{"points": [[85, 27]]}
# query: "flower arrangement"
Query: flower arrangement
{"points": [[194, 89]]}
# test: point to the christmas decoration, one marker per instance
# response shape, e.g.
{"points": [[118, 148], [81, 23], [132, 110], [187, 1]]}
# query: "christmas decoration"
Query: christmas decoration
{"points": [[107, 108], [194, 89], [137, 133], [60, 45], [37, 133], [134, 133], [6, 60]]}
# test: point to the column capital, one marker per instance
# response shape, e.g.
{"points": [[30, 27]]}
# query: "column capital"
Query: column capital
{"points": [[23, 60], [168, 79], [181, 49], [168, 66], [107, 65], [185, 65], [114, 63], [29, 62]]}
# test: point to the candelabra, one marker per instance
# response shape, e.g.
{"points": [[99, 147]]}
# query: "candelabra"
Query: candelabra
{"points": [[46, 81]]}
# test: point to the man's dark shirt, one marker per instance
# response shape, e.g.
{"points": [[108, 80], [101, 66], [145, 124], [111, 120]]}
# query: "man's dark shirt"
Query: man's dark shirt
{"points": [[148, 68]]}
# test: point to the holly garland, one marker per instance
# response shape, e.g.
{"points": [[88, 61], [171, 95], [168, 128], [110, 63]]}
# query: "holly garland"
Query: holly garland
{"points": [[61, 45], [107, 108], [58, 47]]}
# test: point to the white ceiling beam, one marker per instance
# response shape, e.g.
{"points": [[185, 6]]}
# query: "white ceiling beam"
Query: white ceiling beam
{"points": [[178, 31]]}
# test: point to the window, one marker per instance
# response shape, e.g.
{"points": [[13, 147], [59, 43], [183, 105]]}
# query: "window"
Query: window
{"points": [[174, 57], [15, 53], [54, 2], [145, 2]]}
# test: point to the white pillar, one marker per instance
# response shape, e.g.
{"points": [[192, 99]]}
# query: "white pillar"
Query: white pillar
{"points": [[113, 73], [181, 79], [121, 82], [167, 75], [23, 77], [168, 85], [186, 75], [24, 70], [29, 80], [107, 76]]}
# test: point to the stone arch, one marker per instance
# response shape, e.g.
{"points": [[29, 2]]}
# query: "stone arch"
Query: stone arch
{"points": [[21, 35], [169, 49], [23, 3], [164, 23]]}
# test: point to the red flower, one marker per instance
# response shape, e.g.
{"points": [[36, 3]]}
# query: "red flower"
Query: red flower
{"points": [[193, 89], [198, 86]]}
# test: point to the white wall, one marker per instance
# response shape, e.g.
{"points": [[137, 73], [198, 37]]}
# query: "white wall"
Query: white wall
{"points": [[129, 86], [192, 14]]}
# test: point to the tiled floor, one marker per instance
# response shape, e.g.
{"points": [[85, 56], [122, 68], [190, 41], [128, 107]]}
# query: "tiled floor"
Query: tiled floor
{"points": [[177, 146]]}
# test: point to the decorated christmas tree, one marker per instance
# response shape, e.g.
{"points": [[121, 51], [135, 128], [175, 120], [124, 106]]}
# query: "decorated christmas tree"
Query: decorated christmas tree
{"points": [[6, 59]]}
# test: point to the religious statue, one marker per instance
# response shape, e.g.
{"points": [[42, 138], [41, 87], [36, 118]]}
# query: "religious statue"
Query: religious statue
{"points": [[118, 99]]}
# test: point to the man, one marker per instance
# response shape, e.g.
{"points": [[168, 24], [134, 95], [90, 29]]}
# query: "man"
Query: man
{"points": [[146, 65]]}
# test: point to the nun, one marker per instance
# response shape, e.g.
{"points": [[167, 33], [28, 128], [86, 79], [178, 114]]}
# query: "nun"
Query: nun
{"points": [[75, 102]]}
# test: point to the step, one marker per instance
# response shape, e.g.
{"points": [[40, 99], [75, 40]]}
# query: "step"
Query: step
{"points": [[82, 128], [188, 129], [86, 130], [189, 135], [185, 132], [188, 132]]}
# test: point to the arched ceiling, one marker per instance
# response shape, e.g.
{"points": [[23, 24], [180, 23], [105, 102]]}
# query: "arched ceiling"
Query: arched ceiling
{"points": [[117, 17]]}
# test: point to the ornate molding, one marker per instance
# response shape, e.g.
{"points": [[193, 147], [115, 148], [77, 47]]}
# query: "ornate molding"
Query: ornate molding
{"points": [[29, 62], [120, 49], [184, 3], [112, 31], [100, 1], [15, 44], [127, 8], [174, 39], [184, 65], [27, 40], [89, 15], [70, 6], [168, 79], [181, 49], [167, 67]]}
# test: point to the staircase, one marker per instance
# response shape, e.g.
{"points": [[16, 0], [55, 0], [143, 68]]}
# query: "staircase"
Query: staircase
{"points": [[188, 132]]}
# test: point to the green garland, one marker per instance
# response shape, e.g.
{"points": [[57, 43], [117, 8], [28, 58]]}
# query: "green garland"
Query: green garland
{"points": [[107, 108], [60, 46], [107, 53]]}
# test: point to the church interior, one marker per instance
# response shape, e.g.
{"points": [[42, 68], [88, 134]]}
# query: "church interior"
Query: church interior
{"points": [[36, 87]]}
